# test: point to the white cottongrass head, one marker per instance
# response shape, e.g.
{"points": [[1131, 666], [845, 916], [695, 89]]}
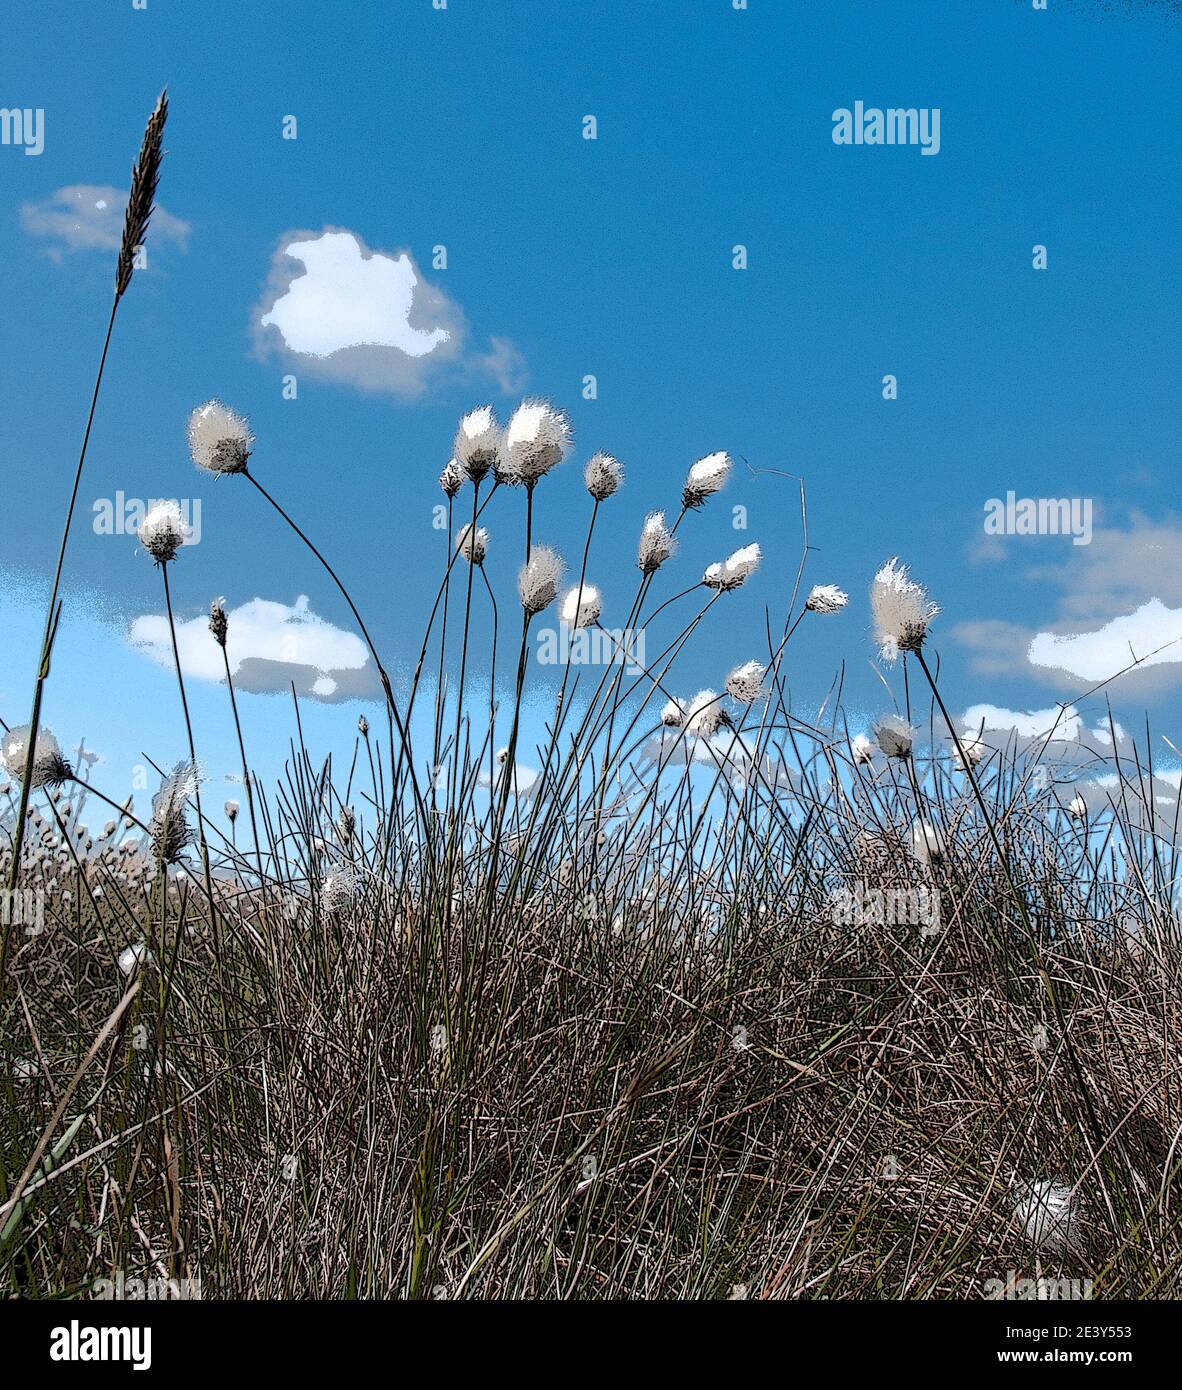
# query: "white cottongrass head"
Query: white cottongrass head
{"points": [[1048, 1214], [219, 438], [169, 828], [451, 479], [472, 543], [705, 715], [603, 475], [537, 438], [968, 750], [232, 809], [1077, 808], [736, 569], [745, 683], [539, 577], [902, 610], [705, 478], [927, 842], [163, 531], [339, 888], [657, 543], [826, 598], [673, 715], [581, 606], [133, 957], [894, 736], [862, 749], [477, 444], [49, 768]]}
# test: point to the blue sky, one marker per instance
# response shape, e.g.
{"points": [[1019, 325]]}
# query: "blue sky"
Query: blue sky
{"points": [[568, 257]]}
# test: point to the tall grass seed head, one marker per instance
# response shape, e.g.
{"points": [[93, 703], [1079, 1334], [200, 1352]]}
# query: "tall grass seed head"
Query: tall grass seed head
{"points": [[902, 610], [472, 543], [538, 580], [706, 715], [581, 606], [826, 598], [657, 543], [162, 531], [745, 683], [537, 439], [219, 623], [452, 478], [49, 768], [477, 445], [220, 440], [894, 736], [603, 475], [705, 478], [735, 570]]}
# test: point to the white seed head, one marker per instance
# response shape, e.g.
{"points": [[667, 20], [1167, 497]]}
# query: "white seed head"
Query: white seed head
{"points": [[927, 842], [826, 598], [478, 442], [472, 543], [862, 749], [169, 828], [971, 750], [902, 610], [131, 958], [452, 478], [162, 531], [339, 888], [705, 715], [581, 607], [673, 715], [219, 438], [745, 683], [1077, 808], [603, 475], [538, 579], [657, 543], [537, 438], [734, 570], [894, 736], [1048, 1215], [49, 768], [232, 811], [705, 478]]}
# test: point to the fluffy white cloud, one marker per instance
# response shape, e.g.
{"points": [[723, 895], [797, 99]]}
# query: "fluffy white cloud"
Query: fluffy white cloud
{"points": [[269, 646], [1030, 724], [89, 217], [1100, 655], [368, 318]]}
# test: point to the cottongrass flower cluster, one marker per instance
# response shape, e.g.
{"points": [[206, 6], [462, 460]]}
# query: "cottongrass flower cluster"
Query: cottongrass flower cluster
{"points": [[49, 768], [477, 443], [219, 623], [581, 606], [339, 888], [220, 439], [1077, 808], [603, 475], [537, 439], [472, 543], [705, 478], [346, 825], [657, 543], [133, 957], [538, 580], [705, 715], [452, 478], [826, 598], [894, 736], [169, 830], [1048, 1214], [734, 570], [862, 749], [902, 610], [232, 809], [927, 842], [162, 531], [745, 683]]}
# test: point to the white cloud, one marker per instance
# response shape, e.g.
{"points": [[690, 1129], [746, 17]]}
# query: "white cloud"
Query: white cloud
{"points": [[89, 217], [1100, 655], [1029, 724], [270, 645], [368, 318]]}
